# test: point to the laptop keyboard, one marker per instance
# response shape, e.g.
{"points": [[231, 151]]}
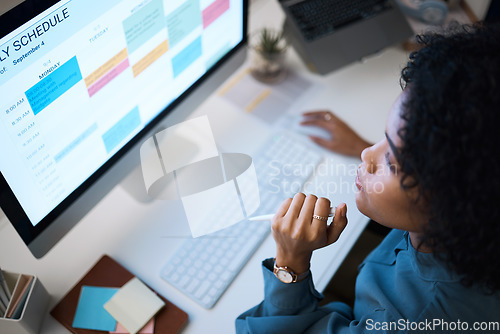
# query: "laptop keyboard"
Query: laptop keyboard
{"points": [[317, 18]]}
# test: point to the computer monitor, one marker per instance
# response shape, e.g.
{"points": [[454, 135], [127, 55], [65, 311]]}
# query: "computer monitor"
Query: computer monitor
{"points": [[85, 82]]}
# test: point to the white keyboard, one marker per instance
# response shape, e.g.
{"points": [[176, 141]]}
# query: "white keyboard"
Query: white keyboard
{"points": [[202, 268]]}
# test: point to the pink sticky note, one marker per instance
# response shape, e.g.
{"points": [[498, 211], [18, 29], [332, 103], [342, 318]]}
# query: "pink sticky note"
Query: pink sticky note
{"points": [[108, 77], [213, 11], [149, 328]]}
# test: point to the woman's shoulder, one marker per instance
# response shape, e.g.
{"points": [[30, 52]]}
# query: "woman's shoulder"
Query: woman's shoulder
{"points": [[403, 274], [452, 301]]}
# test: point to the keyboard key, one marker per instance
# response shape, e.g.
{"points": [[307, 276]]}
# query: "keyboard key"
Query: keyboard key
{"points": [[202, 290], [192, 286], [184, 281], [213, 292]]}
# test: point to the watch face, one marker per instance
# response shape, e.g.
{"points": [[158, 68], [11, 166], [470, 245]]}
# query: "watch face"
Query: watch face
{"points": [[284, 276]]}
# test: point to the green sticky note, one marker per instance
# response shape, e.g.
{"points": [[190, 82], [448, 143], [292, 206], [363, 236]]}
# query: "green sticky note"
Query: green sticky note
{"points": [[183, 21], [143, 24], [90, 312]]}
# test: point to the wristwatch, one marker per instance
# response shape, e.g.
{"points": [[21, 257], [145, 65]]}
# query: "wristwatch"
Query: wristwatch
{"points": [[286, 275]]}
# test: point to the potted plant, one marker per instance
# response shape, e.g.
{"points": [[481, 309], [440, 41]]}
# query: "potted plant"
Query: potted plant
{"points": [[269, 51]]}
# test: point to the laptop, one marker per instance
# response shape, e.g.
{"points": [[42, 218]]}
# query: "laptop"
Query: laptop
{"points": [[329, 34]]}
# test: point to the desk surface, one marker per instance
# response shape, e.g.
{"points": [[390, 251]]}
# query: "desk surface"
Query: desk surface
{"points": [[141, 236]]}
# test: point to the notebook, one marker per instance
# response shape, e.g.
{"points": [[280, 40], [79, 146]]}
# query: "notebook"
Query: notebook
{"points": [[109, 273], [329, 34]]}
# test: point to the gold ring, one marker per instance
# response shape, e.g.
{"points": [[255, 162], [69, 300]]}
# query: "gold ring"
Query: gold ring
{"points": [[323, 219], [327, 116]]}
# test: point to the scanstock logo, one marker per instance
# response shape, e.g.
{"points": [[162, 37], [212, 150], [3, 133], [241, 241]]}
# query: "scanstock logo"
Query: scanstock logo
{"points": [[183, 163]]}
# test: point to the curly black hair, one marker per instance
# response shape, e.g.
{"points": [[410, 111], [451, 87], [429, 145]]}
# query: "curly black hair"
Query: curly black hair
{"points": [[451, 147]]}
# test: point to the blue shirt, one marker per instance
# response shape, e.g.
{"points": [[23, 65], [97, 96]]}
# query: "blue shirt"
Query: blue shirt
{"points": [[398, 290]]}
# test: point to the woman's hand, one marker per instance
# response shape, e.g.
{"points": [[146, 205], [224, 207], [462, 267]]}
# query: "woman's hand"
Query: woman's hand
{"points": [[343, 139], [298, 234]]}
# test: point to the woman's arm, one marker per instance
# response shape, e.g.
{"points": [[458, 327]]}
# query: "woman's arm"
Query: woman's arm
{"points": [[290, 308], [299, 227]]}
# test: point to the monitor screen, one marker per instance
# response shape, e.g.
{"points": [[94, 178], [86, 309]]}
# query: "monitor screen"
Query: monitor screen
{"points": [[83, 80]]}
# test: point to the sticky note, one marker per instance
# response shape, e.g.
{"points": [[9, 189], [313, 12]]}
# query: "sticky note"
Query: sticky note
{"points": [[148, 329], [90, 313], [134, 305]]}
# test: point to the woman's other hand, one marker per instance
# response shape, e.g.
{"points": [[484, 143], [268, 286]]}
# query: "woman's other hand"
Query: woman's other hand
{"points": [[342, 139], [297, 233]]}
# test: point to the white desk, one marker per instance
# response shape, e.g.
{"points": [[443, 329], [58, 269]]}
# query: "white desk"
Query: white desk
{"points": [[140, 236]]}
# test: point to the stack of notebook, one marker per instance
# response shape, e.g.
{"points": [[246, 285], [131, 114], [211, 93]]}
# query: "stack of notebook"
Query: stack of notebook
{"points": [[111, 285]]}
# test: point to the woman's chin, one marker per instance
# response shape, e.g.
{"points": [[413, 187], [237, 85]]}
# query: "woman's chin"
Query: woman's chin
{"points": [[360, 203], [364, 207]]}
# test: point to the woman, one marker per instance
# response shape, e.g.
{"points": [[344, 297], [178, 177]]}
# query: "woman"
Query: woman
{"points": [[433, 180]]}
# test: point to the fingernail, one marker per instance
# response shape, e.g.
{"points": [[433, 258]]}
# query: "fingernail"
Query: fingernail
{"points": [[343, 211]]}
